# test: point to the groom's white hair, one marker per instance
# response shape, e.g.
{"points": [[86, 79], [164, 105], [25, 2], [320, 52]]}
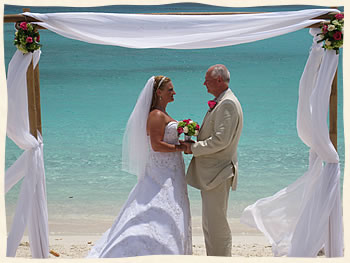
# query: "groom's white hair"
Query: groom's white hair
{"points": [[221, 70]]}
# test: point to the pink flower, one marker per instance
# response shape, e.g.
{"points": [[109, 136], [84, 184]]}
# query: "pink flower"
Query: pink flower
{"points": [[29, 40], [211, 104], [187, 121], [197, 127], [180, 130], [337, 35], [23, 25], [339, 16], [325, 29]]}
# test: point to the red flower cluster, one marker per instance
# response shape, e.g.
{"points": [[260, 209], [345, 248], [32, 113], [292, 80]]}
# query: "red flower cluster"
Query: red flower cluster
{"points": [[339, 16], [337, 35], [332, 33], [23, 25], [325, 28], [180, 130], [188, 127], [27, 38]]}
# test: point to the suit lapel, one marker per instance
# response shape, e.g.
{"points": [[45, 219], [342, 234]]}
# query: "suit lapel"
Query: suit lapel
{"points": [[205, 118], [226, 94]]}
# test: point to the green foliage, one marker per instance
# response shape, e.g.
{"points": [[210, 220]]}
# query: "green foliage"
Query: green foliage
{"points": [[181, 124], [335, 29], [188, 127], [27, 38], [191, 129]]}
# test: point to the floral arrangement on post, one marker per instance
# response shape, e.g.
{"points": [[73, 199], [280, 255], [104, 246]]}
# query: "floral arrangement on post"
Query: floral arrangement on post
{"points": [[333, 34], [27, 38], [188, 127]]}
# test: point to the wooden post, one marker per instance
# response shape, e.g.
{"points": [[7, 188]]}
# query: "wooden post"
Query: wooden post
{"points": [[333, 113], [31, 100], [333, 117], [33, 93], [37, 98]]}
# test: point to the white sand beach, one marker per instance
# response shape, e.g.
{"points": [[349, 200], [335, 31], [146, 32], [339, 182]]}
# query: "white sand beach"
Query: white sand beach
{"points": [[68, 243]]}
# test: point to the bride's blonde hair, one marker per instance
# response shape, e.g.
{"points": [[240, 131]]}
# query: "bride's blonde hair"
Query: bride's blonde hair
{"points": [[159, 83]]}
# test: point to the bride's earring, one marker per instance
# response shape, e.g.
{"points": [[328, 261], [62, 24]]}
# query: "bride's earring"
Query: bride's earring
{"points": [[160, 98]]}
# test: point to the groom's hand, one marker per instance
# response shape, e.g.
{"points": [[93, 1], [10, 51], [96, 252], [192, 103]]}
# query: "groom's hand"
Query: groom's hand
{"points": [[188, 147]]}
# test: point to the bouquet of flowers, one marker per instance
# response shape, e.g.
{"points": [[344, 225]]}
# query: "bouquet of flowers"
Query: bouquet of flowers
{"points": [[333, 34], [188, 127], [27, 38]]}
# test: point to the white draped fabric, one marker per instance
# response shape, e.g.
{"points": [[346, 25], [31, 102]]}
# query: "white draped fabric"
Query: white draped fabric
{"points": [[135, 140], [176, 31], [31, 209], [181, 32], [305, 216]]}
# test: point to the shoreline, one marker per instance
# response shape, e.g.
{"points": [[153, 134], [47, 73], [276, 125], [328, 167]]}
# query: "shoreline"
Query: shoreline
{"points": [[96, 226]]}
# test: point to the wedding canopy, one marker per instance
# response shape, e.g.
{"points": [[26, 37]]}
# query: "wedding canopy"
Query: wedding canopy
{"points": [[298, 221]]}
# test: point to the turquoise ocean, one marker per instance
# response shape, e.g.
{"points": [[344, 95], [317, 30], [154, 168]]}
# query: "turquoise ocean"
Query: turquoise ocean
{"points": [[88, 92]]}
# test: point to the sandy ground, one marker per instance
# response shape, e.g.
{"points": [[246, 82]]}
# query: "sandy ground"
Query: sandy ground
{"points": [[78, 246], [70, 241]]}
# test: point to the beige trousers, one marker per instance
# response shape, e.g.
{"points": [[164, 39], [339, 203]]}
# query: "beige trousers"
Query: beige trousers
{"points": [[217, 233]]}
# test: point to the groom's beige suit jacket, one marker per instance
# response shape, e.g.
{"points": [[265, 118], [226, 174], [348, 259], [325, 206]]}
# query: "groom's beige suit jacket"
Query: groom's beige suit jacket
{"points": [[215, 152]]}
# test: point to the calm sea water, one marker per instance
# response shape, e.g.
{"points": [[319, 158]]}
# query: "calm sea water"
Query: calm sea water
{"points": [[88, 92]]}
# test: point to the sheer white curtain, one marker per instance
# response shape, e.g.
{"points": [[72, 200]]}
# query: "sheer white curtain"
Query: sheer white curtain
{"points": [[176, 31], [306, 215], [134, 31], [31, 209]]}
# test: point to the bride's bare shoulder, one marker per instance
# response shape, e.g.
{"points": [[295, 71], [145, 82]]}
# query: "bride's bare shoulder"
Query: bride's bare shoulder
{"points": [[156, 115], [156, 119]]}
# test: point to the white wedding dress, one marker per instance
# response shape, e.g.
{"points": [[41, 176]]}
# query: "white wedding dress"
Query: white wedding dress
{"points": [[156, 219]]}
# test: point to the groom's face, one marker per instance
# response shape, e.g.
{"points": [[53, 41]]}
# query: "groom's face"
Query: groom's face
{"points": [[210, 82]]}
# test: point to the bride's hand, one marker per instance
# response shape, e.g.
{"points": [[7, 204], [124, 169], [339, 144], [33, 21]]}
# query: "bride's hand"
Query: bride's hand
{"points": [[181, 146]]}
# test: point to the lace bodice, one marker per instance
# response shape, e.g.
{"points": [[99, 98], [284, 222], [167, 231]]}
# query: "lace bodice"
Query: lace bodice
{"points": [[170, 134], [172, 160]]}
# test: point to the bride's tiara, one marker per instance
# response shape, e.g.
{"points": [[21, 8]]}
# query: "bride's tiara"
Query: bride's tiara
{"points": [[161, 81]]}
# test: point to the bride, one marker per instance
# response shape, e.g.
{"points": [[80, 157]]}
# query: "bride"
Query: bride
{"points": [[155, 219]]}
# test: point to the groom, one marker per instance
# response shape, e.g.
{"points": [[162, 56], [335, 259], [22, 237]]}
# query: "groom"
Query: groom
{"points": [[213, 168]]}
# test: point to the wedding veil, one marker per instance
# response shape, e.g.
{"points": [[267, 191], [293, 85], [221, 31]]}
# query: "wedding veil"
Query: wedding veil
{"points": [[135, 141]]}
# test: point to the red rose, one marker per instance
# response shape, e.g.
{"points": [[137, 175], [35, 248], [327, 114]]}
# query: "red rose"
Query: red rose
{"points": [[38, 38], [23, 25], [197, 127], [187, 121], [337, 35], [180, 130], [29, 40], [339, 16], [325, 29]]}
